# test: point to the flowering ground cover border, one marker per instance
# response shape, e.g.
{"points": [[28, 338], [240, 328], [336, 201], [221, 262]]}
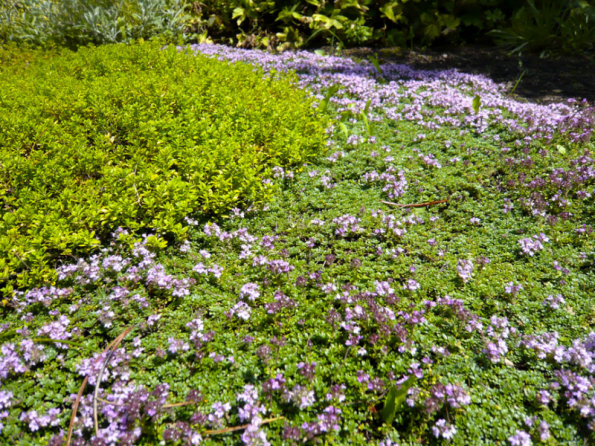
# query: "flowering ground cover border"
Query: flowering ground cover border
{"points": [[297, 323]]}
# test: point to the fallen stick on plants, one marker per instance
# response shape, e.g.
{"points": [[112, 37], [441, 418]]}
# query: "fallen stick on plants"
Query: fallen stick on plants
{"points": [[74, 410], [165, 406], [84, 384], [239, 428], [416, 205], [113, 348]]}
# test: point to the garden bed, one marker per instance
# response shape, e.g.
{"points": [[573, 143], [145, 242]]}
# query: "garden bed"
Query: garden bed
{"points": [[427, 278]]}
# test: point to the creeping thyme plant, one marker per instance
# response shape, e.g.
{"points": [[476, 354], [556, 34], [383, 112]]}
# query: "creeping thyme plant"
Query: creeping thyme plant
{"points": [[428, 278]]}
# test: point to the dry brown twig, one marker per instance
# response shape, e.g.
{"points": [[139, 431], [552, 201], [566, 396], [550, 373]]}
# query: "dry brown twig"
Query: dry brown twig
{"points": [[111, 346], [74, 410], [416, 205], [239, 428], [165, 406], [115, 345]]}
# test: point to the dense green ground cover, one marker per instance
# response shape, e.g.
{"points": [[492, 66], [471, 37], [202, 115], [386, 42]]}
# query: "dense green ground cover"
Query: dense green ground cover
{"points": [[319, 308], [133, 136]]}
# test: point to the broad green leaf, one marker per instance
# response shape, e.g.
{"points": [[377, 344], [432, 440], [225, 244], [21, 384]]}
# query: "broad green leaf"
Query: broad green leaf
{"points": [[476, 104], [388, 11], [344, 128], [329, 94], [376, 64], [238, 13], [364, 117], [394, 399]]}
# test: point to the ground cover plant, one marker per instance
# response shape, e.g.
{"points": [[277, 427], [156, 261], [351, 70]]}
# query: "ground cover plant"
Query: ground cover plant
{"points": [[428, 279], [134, 136]]}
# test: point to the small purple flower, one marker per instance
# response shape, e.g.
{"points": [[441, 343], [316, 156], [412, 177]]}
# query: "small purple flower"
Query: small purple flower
{"points": [[37, 421], [250, 291], [219, 411], [383, 288], [151, 320], [242, 310], [444, 429], [411, 285], [544, 431], [544, 397], [177, 345], [253, 435], [274, 384], [465, 269], [56, 330], [531, 246], [336, 393], [329, 419], [200, 268], [280, 267], [300, 396], [513, 289], [554, 302], [520, 438]]}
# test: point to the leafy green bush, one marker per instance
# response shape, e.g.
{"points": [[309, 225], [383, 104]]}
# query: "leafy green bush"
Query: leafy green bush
{"points": [[550, 24], [137, 137], [284, 24], [76, 22]]}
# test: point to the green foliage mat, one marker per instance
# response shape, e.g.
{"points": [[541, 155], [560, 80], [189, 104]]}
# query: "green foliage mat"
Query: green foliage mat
{"points": [[135, 136], [303, 228]]}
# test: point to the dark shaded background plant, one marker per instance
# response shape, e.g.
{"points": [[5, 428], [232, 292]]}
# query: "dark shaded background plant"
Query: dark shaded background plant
{"points": [[286, 24], [550, 24]]}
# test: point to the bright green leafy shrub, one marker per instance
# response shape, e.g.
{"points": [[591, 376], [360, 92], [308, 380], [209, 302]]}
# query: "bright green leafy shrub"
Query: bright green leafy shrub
{"points": [[138, 137]]}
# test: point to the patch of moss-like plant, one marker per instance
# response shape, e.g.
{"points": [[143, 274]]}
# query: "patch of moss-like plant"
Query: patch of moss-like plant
{"points": [[135, 136]]}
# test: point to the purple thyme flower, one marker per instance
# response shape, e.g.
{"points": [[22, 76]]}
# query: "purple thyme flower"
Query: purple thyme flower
{"points": [[411, 285], [520, 438], [554, 302], [465, 269], [250, 291], [444, 429]]}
